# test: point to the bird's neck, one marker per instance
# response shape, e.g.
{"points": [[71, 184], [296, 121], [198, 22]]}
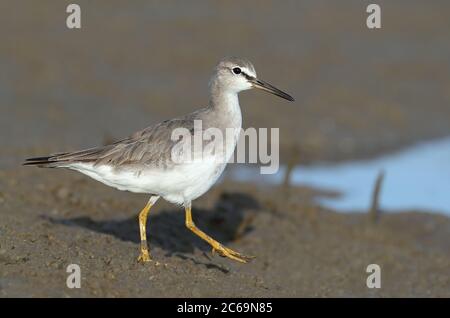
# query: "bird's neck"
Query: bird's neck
{"points": [[224, 101], [226, 112]]}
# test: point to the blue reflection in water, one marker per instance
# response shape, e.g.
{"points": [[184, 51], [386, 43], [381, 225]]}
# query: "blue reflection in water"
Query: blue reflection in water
{"points": [[415, 178]]}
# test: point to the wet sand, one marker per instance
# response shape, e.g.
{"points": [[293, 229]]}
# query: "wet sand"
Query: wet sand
{"points": [[359, 93]]}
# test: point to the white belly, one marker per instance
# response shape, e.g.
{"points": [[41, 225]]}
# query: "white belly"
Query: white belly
{"points": [[178, 184]]}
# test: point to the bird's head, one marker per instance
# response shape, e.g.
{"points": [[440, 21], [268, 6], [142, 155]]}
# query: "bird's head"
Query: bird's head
{"points": [[237, 74]]}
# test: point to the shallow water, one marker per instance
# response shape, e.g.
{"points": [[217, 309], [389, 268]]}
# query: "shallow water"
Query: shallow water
{"points": [[416, 178]]}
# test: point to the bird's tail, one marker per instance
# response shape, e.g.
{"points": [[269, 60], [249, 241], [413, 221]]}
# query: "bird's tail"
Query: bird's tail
{"points": [[52, 161], [67, 158]]}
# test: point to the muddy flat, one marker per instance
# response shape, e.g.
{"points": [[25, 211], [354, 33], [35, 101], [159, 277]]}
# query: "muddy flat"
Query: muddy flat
{"points": [[300, 249]]}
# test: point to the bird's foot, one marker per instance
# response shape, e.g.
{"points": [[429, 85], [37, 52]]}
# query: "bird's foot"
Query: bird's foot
{"points": [[144, 257], [227, 252]]}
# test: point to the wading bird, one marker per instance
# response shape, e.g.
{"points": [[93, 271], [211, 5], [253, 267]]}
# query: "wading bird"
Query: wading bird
{"points": [[144, 162]]}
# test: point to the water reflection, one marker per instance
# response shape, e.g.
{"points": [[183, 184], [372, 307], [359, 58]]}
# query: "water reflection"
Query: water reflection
{"points": [[415, 178]]}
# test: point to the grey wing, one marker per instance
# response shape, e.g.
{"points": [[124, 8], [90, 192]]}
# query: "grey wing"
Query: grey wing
{"points": [[151, 147]]}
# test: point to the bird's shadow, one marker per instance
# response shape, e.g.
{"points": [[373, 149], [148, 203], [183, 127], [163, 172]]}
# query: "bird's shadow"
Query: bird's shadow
{"points": [[229, 220]]}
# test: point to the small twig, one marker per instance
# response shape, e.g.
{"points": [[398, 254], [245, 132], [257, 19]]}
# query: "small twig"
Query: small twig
{"points": [[374, 212], [287, 177], [291, 164]]}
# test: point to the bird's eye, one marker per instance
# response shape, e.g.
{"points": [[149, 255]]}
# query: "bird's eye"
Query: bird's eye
{"points": [[236, 70]]}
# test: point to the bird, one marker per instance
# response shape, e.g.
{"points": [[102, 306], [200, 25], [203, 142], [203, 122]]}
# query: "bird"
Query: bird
{"points": [[152, 162]]}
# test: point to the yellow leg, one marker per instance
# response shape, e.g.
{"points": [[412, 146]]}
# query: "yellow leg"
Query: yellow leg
{"points": [[145, 254], [216, 246]]}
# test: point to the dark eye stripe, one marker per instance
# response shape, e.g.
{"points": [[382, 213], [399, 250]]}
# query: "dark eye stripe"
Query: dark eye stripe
{"points": [[248, 77]]}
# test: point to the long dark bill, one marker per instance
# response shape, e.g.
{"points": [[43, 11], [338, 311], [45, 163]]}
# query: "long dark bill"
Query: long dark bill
{"points": [[270, 88]]}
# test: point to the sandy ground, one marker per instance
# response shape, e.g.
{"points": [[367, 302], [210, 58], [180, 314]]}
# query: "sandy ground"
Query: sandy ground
{"points": [[359, 93]]}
